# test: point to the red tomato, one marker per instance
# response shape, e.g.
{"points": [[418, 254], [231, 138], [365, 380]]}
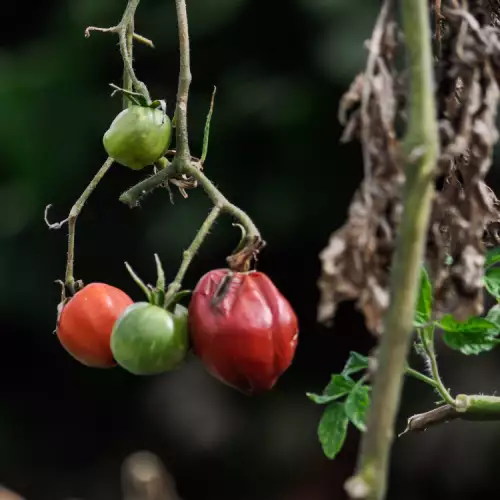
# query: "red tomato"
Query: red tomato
{"points": [[86, 323], [242, 328]]}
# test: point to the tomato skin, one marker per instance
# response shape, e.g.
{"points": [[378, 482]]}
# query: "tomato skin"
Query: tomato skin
{"points": [[148, 339], [247, 338], [86, 322], [138, 136]]}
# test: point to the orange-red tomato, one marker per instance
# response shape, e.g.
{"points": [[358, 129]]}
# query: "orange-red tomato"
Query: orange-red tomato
{"points": [[86, 323], [242, 328]]}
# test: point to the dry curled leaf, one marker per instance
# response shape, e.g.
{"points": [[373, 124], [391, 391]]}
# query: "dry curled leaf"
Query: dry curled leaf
{"points": [[356, 262], [466, 213]]}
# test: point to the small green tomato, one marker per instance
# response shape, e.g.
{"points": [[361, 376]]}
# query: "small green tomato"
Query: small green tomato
{"points": [[138, 136], [148, 339]]}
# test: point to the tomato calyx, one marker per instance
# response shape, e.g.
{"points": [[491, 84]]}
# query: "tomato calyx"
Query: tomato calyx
{"points": [[68, 290], [246, 253], [139, 99], [156, 295]]}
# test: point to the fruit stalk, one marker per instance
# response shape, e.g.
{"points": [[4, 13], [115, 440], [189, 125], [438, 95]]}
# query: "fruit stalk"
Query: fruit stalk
{"points": [[69, 279], [188, 255], [370, 481]]}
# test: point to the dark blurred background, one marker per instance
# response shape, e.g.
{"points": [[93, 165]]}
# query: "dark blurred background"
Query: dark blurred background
{"points": [[280, 69]]}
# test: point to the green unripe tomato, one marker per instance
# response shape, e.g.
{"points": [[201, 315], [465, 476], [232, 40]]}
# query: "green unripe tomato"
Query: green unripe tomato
{"points": [[138, 136], [148, 339]]}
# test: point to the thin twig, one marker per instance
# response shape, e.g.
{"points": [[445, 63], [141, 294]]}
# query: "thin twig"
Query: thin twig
{"points": [[115, 29], [189, 254], [182, 140], [427, 339], [132, 196], [420, 376], [126, 26], [127, 81], [71, 220], [370, 481], [219, 199]]}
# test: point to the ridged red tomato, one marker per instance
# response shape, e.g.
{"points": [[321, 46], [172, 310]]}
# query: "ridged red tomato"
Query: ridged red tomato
{"points": [[86, 323], [242, 328]]}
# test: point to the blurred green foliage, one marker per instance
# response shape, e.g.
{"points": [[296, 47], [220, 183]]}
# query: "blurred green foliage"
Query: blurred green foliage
{"points": [[279, 68]]}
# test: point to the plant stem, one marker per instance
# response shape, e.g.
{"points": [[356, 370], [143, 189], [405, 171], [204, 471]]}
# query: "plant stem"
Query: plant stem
{"points": [[370, 481], [132, 196], [183, 162], [420, 376], [69, 279], [127, 81], [427, 338], [189, 254], [182, 140], [124, 28], [219, 199]]}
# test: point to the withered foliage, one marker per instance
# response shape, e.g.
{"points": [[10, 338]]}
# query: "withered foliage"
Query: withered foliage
{"points": [[466, 213]]}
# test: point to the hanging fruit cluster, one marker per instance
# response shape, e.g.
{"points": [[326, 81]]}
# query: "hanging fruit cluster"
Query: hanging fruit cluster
{"points": [[237, 322]]}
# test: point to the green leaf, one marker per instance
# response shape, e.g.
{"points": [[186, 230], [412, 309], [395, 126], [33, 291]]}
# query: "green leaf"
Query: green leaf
{"points": [[474, 325], [470, 343], [355, 363], [423, 308], [338, 386], [492, 257], [494, 315], [332, 429], [357, 404], [474, 336], [492, 281]]}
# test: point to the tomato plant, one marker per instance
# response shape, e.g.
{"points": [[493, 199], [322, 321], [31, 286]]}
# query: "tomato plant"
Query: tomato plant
{"points": [[242, 328], [138, 136], [148, 339], [86, 322]]}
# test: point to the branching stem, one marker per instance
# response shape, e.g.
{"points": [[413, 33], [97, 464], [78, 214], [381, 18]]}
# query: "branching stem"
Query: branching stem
{"points": [[132, 196], [427, 338], [420, 376], [124, 29]]}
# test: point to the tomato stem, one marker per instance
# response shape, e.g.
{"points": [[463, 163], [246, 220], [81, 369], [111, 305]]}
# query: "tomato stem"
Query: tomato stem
{"points": [[184, 164], [125, 31], [181, 126], [427, 341], [69, 279], [189, 254]]}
